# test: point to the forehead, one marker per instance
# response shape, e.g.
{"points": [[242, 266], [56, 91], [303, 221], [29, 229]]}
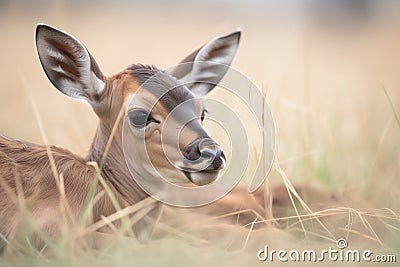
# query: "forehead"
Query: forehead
{"points": [[166, 89]]}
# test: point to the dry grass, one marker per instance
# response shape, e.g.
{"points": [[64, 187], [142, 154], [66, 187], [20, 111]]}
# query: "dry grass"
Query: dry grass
{"points": [[336, 129]]}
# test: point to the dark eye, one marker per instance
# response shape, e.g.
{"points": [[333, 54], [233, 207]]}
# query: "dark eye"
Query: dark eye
{"points": [[203, 114], [140, 118]]}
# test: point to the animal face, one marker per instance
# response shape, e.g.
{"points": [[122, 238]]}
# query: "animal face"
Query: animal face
{"points": [[164, 110]]}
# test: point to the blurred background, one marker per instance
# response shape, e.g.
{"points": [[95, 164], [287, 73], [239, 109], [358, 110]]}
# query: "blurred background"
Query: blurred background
{"points": [[323, 64]]}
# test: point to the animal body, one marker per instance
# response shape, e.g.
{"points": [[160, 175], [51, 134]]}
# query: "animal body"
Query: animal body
{"points": [[43, 178]]}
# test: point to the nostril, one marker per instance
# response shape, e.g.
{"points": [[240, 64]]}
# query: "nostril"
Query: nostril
{"points": [[192, 151], [222, 155]]}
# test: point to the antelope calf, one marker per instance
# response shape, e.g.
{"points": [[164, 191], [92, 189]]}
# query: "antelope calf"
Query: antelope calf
{"points": [[41, 176]]}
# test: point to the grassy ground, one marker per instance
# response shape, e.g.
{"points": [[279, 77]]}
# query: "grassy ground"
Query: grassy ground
{"points": [[335, 98]]}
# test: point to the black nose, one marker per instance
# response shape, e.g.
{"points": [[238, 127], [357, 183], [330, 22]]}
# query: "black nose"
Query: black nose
{"points": [[206, 149]]}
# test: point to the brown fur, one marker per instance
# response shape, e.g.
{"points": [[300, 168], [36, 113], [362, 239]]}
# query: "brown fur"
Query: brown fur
{"points": [[26, 173]]}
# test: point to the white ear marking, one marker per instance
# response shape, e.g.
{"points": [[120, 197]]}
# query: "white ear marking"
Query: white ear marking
{"points": [[58, 69], [97, 84], [55, 54]]}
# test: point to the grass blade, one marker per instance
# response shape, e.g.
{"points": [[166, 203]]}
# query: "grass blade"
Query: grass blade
{"points": [[392, 106]]}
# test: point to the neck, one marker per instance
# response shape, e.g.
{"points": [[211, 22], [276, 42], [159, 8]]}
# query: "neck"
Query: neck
{"points": [[113, 165]]}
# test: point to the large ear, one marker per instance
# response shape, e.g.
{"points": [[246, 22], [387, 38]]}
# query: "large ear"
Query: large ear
{"points": [[68, 64], [204, 68]]}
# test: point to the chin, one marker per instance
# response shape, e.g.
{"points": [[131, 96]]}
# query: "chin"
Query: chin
{"points": [[203, 177], [197, 178]]}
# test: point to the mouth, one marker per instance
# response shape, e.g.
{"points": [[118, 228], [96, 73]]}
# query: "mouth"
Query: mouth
{"points": [[203, 177]]}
